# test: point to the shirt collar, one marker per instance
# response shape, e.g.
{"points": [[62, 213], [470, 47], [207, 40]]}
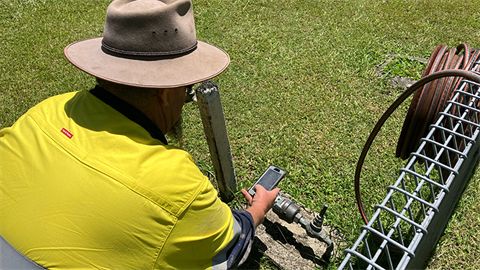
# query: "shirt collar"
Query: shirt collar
{"points": [[129, 111]]}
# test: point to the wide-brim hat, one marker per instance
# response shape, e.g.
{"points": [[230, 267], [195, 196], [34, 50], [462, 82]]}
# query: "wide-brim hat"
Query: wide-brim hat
{"points": [[149, 43]]}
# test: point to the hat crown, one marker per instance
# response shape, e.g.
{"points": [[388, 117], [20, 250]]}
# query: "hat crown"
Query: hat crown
{"points": [[149, 27]]}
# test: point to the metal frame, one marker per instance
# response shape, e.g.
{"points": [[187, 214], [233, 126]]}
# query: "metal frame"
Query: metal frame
{"points": [[427, 190]]}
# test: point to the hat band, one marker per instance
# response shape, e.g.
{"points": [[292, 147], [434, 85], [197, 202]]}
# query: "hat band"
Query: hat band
{"points": [[137, 53]]}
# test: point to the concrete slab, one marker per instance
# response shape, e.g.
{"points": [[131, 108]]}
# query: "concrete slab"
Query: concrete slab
{"points": [[288, 246]]}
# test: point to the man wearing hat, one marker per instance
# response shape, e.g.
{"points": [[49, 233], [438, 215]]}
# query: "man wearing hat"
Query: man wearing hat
{"points": [[88, 179]]}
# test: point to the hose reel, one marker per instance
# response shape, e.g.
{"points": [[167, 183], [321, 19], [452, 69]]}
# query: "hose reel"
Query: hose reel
{"points": [[431, 99], [442, 76]]}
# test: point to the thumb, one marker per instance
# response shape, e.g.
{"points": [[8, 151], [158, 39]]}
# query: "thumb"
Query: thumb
{"points": [[247, 196]]}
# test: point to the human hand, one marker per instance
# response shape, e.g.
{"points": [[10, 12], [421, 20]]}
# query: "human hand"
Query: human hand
{"points": [[260, 203]]}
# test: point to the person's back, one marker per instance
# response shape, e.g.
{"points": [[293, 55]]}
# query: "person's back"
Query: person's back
{"points": [[96, 197]]}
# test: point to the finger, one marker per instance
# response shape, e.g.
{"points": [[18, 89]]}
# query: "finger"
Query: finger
{"points": [[247, 196]]}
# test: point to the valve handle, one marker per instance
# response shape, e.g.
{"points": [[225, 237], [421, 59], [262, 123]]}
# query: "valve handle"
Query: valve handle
{"points": [[317, 222]]}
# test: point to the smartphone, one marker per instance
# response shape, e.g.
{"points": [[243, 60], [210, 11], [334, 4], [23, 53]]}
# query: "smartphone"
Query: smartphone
{"points": [[269, 179]]}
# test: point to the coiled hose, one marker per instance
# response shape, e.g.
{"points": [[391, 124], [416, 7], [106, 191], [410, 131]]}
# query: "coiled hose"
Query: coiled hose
{"points": [[440, 78]]}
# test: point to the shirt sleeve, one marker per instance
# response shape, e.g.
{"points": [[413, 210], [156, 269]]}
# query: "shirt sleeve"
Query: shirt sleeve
{"points": [[208, 235], [237, 251]]}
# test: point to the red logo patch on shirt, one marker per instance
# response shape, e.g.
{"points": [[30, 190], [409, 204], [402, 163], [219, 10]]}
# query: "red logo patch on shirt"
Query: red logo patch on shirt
{"points": [[67, 133]]}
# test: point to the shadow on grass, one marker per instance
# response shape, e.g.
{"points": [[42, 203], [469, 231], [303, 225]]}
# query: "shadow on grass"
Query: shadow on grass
{"points": [[383, 259]]}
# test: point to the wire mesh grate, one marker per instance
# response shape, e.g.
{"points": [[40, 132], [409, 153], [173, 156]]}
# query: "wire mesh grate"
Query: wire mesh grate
{"points": [[403, 219]]}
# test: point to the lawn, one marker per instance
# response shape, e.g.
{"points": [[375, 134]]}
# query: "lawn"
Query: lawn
{"points": [[301, 91]]}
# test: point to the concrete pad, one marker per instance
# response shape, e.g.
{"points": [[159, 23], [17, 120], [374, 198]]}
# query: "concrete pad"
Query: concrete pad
{"points": [[288, 246]]}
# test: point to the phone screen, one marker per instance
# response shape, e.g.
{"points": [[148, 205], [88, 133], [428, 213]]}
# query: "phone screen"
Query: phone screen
{"points": [[270, 179]]}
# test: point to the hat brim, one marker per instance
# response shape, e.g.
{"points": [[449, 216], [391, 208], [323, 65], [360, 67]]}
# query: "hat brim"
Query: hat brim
{"points": [[203, 63]]}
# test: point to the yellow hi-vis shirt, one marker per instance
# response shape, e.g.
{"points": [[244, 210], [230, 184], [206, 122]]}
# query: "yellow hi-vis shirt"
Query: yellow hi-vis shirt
{"points": [[82, 186]]}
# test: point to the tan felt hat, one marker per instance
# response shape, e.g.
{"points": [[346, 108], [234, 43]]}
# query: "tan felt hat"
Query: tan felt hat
{"points": [[149, 43]]}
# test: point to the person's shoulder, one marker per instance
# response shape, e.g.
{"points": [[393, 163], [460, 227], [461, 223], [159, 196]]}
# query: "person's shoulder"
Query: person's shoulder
{"points": [[57, 101], [61, 97]]}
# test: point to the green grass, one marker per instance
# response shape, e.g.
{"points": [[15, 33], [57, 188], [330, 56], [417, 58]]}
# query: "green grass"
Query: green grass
{"points": [[300, 93], [405, 67]]}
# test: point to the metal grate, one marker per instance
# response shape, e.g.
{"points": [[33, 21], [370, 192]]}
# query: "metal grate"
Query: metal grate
{"points": [[408, 223]]}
